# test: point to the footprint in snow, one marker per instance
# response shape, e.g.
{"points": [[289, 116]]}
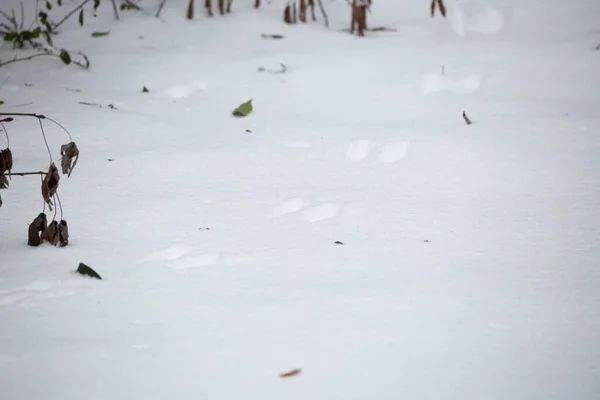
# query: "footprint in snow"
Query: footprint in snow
{"points": [[168, 254], [201, 260], [321, 212], [287, 207], [300, 145], [472, 17], [394, 152], [433, 83], [41, 291], [182, 91], [358, 150]]}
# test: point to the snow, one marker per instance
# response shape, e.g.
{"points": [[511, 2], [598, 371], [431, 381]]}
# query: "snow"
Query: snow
{"points": [[469, 264]]}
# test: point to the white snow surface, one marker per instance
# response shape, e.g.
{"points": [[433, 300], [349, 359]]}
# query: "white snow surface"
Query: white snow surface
{"points": [[469, 268]]}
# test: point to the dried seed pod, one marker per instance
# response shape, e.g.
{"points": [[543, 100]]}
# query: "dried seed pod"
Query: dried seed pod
{"points": [[6, 164], [50, 235], [50, 184], [38, 226], [63, 233], [70, 155]]}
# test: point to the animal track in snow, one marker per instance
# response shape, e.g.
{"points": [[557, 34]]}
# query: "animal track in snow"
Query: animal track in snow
{"points": [[181, 91], [288, 207], [302, 145], [471, 17], [168, 254], [433, 83], [358, 150], [201, 260], [394, 152], [321, 212], [39, 291]]}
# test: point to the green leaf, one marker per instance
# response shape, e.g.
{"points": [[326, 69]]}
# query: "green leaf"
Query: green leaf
{"points": [[65, 56], [96, 4], [48, 5], [1, 102], [10, 36], [100, 34], [338, 242], [59, 2], [36, 32], [85, 270], [81, 17], [243, 109], [145, 89]]}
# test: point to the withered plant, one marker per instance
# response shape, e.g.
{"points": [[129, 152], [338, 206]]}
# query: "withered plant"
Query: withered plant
{"points": [[39, 231]]}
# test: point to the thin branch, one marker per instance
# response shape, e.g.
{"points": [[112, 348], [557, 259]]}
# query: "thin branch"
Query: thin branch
{"points": [[324, 13], [17, 59], [6, 133], [49, 53], [22, 16], [160, 7], [40, 117], [467, 120], [59, 205], [63, 128], [25, 173], [45, 140], [115, 9], [73, 11]]}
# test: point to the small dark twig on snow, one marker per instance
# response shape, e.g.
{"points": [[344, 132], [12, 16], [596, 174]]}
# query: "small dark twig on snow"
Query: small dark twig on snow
{"points": [[25, 173], [160, 7], [467, 120], [324, 13], [73, 11]]}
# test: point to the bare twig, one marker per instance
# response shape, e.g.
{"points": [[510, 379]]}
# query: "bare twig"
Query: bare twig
{"points": [[467, 120], [160, 7], [73, 11], [324, 13], [45, 140], [22, 17], [25, 173], [6, 133], [49, 53], [115, 9], [598, 47]]}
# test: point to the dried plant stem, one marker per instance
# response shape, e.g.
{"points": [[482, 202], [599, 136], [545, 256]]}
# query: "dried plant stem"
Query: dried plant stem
{"points": [[45, 140], [73, 11], [40, 117], [59, 205], [324, 13], [467, 120], [48, 53], [41, 173], [160, 7], [6, 133], [115, 9]]}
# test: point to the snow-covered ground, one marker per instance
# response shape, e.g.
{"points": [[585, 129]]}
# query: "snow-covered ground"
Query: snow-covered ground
{"points": [[470, 264]]}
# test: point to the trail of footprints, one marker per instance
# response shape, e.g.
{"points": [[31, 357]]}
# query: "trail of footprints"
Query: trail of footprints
{"points": [[388, 153]]}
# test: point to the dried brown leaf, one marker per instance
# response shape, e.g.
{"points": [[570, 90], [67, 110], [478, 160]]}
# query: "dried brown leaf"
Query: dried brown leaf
{"points": [[38, 226], [63, 233], [50, 184], [50, 234], [70, 155], [6, 164], [7, 160]]}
